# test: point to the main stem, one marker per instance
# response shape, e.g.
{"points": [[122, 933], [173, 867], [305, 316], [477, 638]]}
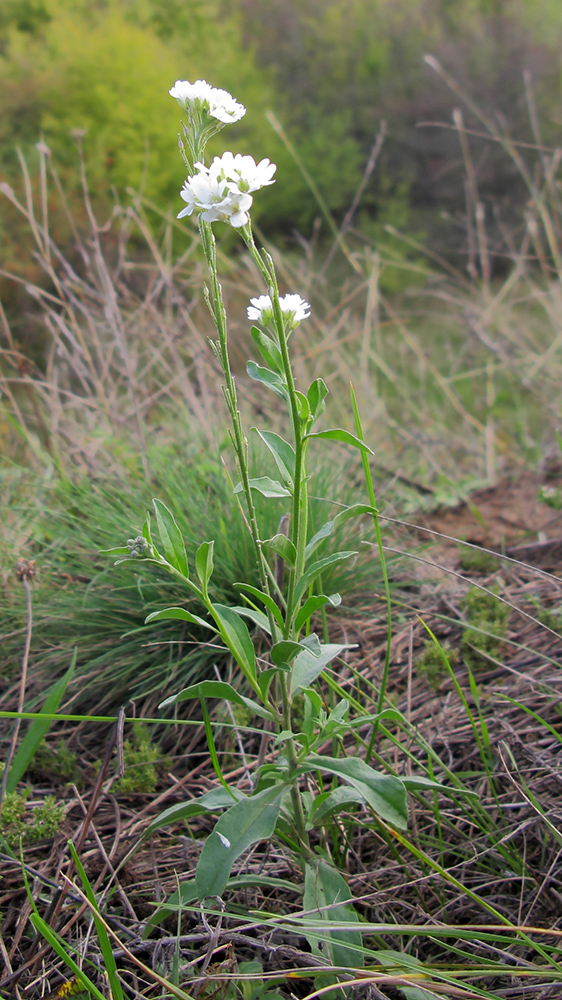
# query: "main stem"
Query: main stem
{"points": [[219, 316]]}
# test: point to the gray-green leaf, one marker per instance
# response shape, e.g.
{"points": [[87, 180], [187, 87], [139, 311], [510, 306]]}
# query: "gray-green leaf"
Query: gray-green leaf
{"points": [[244, 824], [171, 536]]}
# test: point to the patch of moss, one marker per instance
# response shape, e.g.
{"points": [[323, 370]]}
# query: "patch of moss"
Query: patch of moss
{"points": [[431, 664], [57, 762], [140, 757], [17, 822], [487, 616]]}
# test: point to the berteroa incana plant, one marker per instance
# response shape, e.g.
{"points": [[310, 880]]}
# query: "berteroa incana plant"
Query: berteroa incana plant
{"points": [[279, 802]]}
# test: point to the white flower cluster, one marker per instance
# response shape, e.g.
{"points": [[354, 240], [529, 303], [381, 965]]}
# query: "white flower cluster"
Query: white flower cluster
{"points": [[293, 308], [222, 192], [200, 96]]}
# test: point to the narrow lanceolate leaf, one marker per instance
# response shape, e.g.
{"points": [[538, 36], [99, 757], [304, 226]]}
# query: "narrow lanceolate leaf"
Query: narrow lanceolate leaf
{"points": [[316, 396], [308, 666], [220, 690], [357, 510], [282, 653], [282, 452], [255, 616], [384, 793], [284, 547], [171, 536], [204, 564], [268, 349], [312, 605], [327, 895], [235, 633], [181, 614], [214, 801], [337, 434], [269, 378], [266, 486], [265, 599], [244, 824], [315, 569]]}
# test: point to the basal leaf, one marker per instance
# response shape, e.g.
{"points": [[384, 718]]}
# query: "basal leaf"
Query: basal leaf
{"points": [[242, 825], [384, 793], [327, 893]]}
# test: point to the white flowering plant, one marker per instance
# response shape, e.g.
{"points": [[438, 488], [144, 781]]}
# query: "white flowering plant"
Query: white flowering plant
{"points": [[287, 796]]}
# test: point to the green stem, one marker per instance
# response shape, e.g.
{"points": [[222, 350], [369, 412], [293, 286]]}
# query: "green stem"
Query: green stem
{"points": [[219, 316], [300, 491]]}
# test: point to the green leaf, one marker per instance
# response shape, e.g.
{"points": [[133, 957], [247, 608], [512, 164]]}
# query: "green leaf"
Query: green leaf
{"points": [[187, 894], [266, 486], [117, 550], [337, 800], [235, 633], [244, 824], [146, 533], [268, 349], [384, 793], [204, 564], [283, 652], [316, 395], [304, 408], [38, 728], [216, 689], [307, 666], [61, 948], [337, 434], [312, 605], [284, 547], [214, 801], [317, 567], [181, 614], [325, 890], [258, 617], [269, 378], [171, 536], [266, 599], [344, 515], [282, 452], [265, 678]]}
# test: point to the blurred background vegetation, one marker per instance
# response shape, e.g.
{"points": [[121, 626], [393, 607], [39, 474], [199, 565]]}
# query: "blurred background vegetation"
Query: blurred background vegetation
{"points": [[331, 70], [444, 307]]}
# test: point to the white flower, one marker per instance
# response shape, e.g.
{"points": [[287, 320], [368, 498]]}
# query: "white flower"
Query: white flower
{"points": [[200, 96], [244, 171], [215, 199], [293, 308]]}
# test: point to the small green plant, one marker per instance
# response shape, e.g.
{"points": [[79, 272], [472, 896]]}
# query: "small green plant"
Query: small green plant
{"points": [[487, 617], [278, 688], [18, 823], [141, 758], [431, 664]]}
